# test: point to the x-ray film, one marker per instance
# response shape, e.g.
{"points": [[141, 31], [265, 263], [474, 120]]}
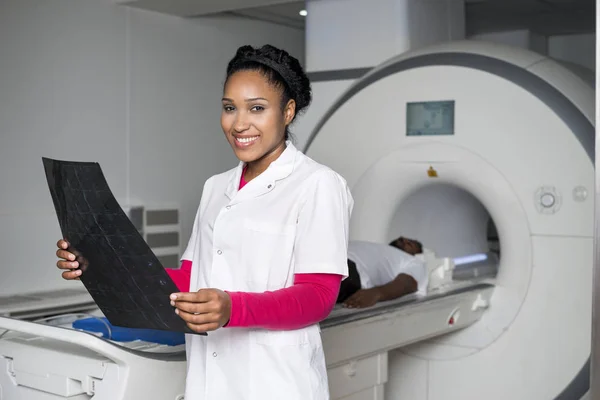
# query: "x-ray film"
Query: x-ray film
{"points": [[120, 271]]}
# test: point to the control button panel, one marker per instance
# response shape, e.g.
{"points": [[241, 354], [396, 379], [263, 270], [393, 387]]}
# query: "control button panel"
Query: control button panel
{"points": [[547, 200]]}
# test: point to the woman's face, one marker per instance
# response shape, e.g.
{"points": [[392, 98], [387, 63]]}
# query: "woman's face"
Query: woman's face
{"points": [[252, 118]]}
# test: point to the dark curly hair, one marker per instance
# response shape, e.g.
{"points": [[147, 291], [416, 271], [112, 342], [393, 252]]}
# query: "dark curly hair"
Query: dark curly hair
{"points": [[280, 69]]}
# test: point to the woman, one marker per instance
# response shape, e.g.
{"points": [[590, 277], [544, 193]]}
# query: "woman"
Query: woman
{"points": [[268, 249]]}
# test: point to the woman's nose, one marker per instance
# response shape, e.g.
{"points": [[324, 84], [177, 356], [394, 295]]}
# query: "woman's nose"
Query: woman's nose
{"points": [[241, 124]]}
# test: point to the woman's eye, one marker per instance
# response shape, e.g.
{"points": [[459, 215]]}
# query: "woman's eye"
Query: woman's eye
{"points": [[258, 108], [228, 108]]}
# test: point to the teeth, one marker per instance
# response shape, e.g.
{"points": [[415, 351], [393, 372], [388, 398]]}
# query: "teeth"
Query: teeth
{"points": [[246, 140]]}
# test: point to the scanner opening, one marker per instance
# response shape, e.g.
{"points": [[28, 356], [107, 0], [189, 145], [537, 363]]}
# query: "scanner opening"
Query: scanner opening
{"points": [[453, 223]]}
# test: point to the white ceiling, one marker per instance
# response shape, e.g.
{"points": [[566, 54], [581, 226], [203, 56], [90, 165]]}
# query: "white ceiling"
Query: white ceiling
{"points": [[195, 8], [547, 17], [286, 14]]}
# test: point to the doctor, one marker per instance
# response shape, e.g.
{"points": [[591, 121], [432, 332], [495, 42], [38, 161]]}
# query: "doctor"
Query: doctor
{"points": [[268, 248], [380, 272]]}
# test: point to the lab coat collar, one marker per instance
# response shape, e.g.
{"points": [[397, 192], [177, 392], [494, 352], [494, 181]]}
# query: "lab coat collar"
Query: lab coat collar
{"points": [[265, 182]]}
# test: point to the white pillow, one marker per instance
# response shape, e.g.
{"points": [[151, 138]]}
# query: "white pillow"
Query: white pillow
{"points": [[439, 270]]}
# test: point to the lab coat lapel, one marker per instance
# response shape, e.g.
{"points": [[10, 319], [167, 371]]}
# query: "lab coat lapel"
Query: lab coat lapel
{"points": [[234, 181], [265, 182]]}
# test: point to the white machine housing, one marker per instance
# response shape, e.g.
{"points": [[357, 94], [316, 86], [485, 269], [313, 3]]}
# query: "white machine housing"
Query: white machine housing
{"points": [[522, 146]]}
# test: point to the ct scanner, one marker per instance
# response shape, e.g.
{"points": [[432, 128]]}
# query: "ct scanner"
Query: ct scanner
{"points": [[434, 143], [514, 129]]}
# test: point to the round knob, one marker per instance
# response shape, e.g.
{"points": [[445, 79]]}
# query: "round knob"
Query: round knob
{"points": [[547, 200], [580, 193]]}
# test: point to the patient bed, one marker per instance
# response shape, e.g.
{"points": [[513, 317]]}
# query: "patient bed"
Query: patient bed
{"points": [[50, 360]]}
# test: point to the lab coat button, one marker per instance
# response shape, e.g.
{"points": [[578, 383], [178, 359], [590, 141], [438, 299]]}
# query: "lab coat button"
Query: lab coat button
{"points": [[214, 354], [228, 207], [269, 187], [219, 252]]}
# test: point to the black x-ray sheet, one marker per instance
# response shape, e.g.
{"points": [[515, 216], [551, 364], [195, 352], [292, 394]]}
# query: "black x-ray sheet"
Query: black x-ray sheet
{"points": [[120, 271]]}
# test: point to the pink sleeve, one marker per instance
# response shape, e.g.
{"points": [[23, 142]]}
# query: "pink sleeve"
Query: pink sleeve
{"points": [[181, 276], [308, 301]]}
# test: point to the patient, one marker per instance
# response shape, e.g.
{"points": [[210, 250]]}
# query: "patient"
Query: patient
{"points": [[380, 272]]}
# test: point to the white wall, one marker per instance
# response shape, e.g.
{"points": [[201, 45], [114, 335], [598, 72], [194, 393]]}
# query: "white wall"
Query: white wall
{"points": [[518, 38], [137, 91], [376, 30], [578, 49]]}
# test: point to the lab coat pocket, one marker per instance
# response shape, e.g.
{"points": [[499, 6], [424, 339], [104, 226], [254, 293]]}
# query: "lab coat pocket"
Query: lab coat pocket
{"points": [[267, 251], [281, 338], [293, 365], [282, 367]]}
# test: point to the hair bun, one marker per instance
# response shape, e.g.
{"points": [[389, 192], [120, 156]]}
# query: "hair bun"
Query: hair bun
{"points": [[245, 51], [279, 60]]}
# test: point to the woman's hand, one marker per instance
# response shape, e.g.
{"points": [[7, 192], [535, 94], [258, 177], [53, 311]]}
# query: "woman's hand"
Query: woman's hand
{"points": [[68, 261], [203, 311]]}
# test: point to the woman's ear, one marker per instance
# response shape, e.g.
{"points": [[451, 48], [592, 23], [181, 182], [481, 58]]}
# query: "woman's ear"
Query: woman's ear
{"points": [[289, 112]]}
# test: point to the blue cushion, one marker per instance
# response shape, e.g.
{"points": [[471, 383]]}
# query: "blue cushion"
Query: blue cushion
{"points": [[120, 334]]}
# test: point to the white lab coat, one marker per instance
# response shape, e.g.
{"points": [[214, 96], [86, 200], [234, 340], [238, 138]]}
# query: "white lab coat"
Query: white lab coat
{"points": [[293, 218]]}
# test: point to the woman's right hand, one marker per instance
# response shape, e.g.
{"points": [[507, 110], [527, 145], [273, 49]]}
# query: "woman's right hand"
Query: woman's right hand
{"points": [[67, 261]]}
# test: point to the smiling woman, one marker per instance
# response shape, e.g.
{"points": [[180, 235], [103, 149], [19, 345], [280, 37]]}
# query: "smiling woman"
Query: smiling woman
{"points": [[264, 90], [268, 249]]}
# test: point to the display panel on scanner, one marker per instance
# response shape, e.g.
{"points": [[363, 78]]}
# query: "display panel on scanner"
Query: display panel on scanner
{"points": [[430, 118]]}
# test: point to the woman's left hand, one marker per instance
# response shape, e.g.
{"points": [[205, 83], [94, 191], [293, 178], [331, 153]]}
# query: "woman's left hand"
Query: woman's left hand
{"points": [[204, 310]]}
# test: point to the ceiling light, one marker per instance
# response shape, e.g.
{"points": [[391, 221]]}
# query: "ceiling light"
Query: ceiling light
{"points": [[303, 13]]}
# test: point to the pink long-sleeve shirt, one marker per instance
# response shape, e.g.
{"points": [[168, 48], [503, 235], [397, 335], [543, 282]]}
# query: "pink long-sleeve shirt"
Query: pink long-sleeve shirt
{"points": [[309, 300]]}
